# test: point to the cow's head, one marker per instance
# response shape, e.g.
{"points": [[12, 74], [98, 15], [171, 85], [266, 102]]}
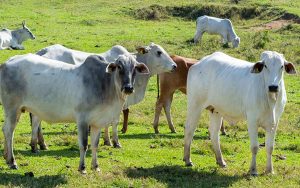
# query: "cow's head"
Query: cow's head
{"points": [[272, 65], [156, 58], [26, 33], [125, 68], [236, 42]]}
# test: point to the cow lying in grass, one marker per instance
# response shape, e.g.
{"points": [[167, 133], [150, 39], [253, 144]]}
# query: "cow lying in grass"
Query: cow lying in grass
{"points": [[235, 90], [154, 56], [91, 94], [218, 26], [13, 39]]}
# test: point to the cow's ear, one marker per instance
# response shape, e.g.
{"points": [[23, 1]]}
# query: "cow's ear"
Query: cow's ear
{"points": [[257, 67], [142, 68], [142, 50], [289, 68], [23, 23], [111, 67]]}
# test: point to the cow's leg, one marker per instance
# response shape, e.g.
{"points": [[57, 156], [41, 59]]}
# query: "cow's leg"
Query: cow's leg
{"points": [[36, 134], [106, 137], [214, 128], [83, 132], [167, 108], [254, 145], [95, 135], [35, 123], [125, 120], [198, 36], [223, 131], [115, 138], [158, 108], [270, 140], [8, 129], [193, 114], [41, 141]]}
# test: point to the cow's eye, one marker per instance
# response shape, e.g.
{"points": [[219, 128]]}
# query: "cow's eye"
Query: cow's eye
{"points": [[119, 67], [159, 53], [266, 66], [281, 67]]}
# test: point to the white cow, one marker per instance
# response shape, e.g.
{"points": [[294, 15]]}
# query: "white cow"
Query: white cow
{"points": [[13, 39], [234, 89], [91, 94], [154, 56], [218, 26]]}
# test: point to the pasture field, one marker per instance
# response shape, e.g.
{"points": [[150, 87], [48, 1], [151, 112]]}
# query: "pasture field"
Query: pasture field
{"points": [[147, 159]]}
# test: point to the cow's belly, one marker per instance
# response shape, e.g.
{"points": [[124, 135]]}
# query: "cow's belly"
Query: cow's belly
{"points": [[53, 116]]}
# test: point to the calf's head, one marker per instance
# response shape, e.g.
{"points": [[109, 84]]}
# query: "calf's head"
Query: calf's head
{"points": [[236, 42], [26, 33], [272, 65], [158, 60], [125, 68]]}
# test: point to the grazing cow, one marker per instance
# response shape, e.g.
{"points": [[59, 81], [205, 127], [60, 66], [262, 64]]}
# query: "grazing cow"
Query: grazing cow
{"points": [[218, 26], [13, 39], [90, 94], [169, 83], [235, 90], [154, 56]]}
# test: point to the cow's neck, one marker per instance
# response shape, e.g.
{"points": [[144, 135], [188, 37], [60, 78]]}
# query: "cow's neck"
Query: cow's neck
{"points": [[18, 35], [144, 59]]}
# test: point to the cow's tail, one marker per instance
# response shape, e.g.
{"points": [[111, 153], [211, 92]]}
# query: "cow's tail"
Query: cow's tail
{"points": [[1, 67], [157, 83]]}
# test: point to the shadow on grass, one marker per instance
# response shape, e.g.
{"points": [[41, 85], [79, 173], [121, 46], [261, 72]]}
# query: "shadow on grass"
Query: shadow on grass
{"points": [[17, 180], [70, 152], [155, 136], [177, 176]]}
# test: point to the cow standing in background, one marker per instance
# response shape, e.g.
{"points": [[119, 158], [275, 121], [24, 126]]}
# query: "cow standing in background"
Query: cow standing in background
{"points": [[234, 89], [91, 94], [218, 26], [13, 39]]}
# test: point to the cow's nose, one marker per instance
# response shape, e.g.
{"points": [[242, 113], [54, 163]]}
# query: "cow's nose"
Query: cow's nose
{"points": [[128, 89], [174, 66], [273, 88]]}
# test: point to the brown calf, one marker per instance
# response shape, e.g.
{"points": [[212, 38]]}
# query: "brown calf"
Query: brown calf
{"points": [[169, 83]]}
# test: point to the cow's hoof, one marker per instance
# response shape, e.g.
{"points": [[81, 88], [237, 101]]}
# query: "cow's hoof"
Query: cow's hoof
{"points": [[223, 133], [156, 131], [13, 166], [43, 147], [34, 151], [222, 165], [189, 164], [107, 143], [83, 172], [253, 173], [117, 145], [123, 131], [96, 169], [173, 131]]}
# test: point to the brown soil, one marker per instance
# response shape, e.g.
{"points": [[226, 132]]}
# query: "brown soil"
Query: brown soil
{"points": [[273, 25]]}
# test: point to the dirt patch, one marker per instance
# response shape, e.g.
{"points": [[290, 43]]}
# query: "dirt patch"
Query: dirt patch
{"points": [[273, 25]]}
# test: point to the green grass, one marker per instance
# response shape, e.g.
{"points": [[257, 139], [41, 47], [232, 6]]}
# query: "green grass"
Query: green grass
{"points": [[146, 159]]}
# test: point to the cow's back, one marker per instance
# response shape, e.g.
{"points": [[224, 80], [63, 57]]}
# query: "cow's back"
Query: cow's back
{"points": [[225, 83]]}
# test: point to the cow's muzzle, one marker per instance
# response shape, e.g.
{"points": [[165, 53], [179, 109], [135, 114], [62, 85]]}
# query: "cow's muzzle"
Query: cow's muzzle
{"points": [[273, 88], [128, 90]]}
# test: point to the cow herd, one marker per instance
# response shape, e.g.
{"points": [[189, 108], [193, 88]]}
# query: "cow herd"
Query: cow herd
{"points": [[58, 84]]}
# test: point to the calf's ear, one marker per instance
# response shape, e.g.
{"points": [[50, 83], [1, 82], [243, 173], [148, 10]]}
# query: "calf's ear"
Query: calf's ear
{"points": [[142, 68], [142, 50], [257, 67], [289, 68], [111, 67]]}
